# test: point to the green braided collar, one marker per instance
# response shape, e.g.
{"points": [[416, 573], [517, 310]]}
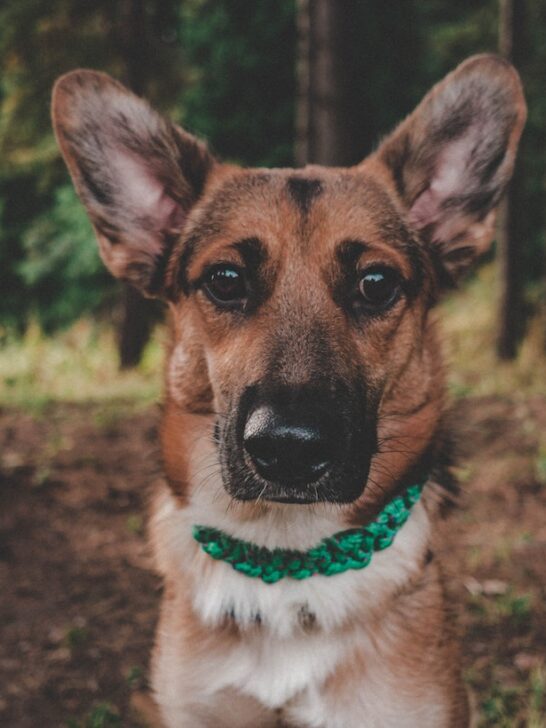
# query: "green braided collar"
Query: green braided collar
{"points": [[351, 549]]}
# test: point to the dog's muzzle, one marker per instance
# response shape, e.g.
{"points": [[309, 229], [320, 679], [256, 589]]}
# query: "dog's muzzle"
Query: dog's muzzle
{"points": [[296, 445]]}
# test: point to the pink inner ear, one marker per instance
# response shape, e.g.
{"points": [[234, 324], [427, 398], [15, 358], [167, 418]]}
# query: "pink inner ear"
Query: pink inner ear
{"points": [[141, 192], [449, 179], [424, 210]]}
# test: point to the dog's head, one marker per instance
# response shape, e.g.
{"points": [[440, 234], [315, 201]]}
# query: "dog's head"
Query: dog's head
{"points": [[299, 297]]}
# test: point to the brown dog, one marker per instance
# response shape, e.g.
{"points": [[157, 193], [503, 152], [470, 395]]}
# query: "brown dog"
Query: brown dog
{"points": [[304, 392]]}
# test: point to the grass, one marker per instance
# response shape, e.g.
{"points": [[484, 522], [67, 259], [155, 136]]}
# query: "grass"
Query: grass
{"points": [[103, 715], [497, 610], [519, 704], [468, 321], [79, 365]]}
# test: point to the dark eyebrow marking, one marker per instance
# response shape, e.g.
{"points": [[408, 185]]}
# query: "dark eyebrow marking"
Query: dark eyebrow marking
{"points": [[157, 280], [212, 222], [253, 252], [349, 251], [183, 262], [303, 191]]}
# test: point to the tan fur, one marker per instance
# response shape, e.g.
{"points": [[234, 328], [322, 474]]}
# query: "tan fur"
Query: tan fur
{"points": [[374, 647]]}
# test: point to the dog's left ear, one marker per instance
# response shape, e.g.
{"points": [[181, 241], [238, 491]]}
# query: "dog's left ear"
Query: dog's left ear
{"points": [[137, 174], [452, 158]]}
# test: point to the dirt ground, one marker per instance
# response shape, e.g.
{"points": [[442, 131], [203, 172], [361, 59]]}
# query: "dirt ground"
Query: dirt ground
{"points": [[78, 597]]}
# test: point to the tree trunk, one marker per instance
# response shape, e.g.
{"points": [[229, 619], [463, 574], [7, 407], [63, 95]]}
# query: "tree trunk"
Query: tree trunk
{"points": [[323, 113], [137, 311], [509, 231], [135, 327]]}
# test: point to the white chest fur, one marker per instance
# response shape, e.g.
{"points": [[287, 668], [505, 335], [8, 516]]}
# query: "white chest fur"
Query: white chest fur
{"points": [[292, 632]]}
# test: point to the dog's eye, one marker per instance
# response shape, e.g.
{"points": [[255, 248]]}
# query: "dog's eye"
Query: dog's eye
{"points": [[379, 286], [225, 285]]}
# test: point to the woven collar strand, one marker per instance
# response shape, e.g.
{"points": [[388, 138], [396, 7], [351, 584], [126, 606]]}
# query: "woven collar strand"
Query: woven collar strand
{"points": [[351, 549]]}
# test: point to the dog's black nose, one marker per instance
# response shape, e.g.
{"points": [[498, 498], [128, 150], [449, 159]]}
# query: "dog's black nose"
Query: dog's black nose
{"points": [[285, 449]]}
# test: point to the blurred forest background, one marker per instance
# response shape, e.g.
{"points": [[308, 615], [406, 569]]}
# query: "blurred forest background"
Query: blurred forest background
{"points": [[273, 83]]}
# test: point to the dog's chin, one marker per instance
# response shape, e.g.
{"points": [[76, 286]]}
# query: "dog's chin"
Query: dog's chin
{"points": [[294, 494], [290, 496], [281, 496]]}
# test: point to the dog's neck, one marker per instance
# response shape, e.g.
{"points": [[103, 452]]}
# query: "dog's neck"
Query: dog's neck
{"points": [[349, 549], [217, 592]]}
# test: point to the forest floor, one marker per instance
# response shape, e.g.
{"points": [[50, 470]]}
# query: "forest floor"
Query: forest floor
{"points": [[79, 600]]}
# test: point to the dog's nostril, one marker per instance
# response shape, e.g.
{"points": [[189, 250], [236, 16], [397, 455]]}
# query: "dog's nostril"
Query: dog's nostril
{"points": [[286, 452], [262, 450]]}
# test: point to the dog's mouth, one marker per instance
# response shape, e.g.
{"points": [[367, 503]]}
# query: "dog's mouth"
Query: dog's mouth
{"points": [[296, 447], [342, 483], [281, 494]]}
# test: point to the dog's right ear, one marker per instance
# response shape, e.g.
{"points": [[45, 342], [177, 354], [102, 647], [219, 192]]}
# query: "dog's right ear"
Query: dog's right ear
{"points": [[137, 174]]}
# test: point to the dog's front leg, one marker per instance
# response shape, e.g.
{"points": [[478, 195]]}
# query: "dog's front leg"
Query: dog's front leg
{"points": [[221, 710]]}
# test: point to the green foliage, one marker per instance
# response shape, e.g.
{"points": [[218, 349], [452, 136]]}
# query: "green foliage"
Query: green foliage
{"points": [[241, 97], [60, 245], [47, 266]]}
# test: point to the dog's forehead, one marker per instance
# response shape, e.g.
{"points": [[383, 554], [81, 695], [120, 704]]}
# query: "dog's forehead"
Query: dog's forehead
{"points": [[319, 205]]}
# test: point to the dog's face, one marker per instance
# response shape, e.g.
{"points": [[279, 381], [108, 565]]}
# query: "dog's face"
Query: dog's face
{"points": [[309, 291], [299, 298]]}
